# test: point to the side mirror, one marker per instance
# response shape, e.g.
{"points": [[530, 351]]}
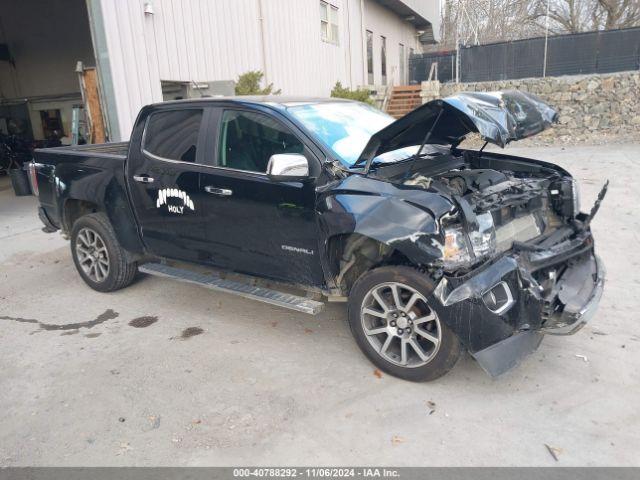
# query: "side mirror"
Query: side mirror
{"points": [[288, 167]]}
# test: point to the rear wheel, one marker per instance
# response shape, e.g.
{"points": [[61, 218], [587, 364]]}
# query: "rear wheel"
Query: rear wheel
{"points": [[98, 256], [395, 327]]}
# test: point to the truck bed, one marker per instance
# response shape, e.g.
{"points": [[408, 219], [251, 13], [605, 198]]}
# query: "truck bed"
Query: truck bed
{"points": [[92, 174], [113, 149]]}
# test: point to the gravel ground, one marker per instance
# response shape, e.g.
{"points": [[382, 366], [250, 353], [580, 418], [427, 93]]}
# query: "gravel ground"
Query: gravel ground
{"points": [[163, 373]]}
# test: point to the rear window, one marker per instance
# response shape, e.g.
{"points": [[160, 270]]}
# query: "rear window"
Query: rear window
{"points": [[173, 135]]}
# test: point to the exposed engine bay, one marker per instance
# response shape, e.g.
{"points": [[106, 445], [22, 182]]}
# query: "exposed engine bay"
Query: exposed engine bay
{"points": [[522, 208], [500, 207]]}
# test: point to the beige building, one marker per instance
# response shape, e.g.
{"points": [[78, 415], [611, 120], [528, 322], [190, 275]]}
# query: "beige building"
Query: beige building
{"points": [[149, 50]]}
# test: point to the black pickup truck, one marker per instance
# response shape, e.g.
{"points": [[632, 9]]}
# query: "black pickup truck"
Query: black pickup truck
{"points": [[436, 249]]}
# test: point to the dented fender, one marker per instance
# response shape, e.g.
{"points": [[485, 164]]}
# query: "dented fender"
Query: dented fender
{"points": [[407, 220]]}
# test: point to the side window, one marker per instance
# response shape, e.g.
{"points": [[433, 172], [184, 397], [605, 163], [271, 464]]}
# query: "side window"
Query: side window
{"points": [[247, 141], [173, 134]]}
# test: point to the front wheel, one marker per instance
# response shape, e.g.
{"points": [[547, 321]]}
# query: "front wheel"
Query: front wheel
{"points": [[99, 258], [395, 327]]}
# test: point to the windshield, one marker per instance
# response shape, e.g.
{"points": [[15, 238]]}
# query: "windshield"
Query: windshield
{"points": [[345, 127]]}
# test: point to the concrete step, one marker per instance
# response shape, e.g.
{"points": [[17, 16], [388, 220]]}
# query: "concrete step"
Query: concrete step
{"points": [[214, 282]]}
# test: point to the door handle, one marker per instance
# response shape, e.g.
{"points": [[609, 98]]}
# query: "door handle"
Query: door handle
{"points": [[223, 192], [143, 179]]}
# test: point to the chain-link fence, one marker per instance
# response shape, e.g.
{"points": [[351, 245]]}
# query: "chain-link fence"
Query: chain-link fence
{"points": [[590, 52]]}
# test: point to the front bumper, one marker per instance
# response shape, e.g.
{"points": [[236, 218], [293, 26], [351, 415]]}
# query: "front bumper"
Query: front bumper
{"points": [[576, 315], [543, 291]]}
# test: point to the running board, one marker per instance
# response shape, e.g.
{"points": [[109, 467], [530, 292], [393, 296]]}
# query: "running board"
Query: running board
{"points": [[213, 282]]}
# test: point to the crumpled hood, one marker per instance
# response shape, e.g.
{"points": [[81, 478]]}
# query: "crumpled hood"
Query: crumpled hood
{"points": [[499, 118]]}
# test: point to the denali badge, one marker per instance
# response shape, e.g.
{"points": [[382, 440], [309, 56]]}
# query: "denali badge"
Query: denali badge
{"points": [[289, 248], [167, 193]]}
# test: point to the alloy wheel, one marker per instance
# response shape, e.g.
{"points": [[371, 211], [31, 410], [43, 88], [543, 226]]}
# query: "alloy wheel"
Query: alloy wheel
{"points": [[92, 254], [400, 325]]}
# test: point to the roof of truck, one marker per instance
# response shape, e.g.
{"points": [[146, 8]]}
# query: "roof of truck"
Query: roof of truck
{"points": [[273, 100]]}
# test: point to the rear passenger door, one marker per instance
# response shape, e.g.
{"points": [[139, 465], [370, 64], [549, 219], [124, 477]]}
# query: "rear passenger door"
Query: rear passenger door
{"points": [[164, 181]]}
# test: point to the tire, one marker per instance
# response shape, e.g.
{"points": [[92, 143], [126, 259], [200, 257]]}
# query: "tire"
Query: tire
{"points": [[392, 337], [93, 242]]}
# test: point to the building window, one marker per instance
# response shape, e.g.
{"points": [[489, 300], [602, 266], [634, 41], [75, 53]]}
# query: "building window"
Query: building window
{"points": [[370, 57], [403, 65], [329, 23], [51, 123], [383, 59]]}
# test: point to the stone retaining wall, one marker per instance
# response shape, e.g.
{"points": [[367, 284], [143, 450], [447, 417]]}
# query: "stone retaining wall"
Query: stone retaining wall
{"points": [[592, 108]]}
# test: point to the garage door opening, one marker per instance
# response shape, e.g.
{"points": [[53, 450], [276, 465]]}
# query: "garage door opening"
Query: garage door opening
{"points": [[48, 82]]}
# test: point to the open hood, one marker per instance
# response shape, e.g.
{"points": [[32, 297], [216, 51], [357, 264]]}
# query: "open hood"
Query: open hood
{"points": [[499, 117]]}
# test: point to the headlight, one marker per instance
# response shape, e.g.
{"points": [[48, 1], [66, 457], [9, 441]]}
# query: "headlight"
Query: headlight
{"points": [[575, 195], [462, 250], [483, 241], [456, 250]]}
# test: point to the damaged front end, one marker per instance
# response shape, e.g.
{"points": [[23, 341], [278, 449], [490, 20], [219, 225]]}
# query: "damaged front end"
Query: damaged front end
{"points": [[526, 265], [502, 309], [517, 257], [518, 264]]}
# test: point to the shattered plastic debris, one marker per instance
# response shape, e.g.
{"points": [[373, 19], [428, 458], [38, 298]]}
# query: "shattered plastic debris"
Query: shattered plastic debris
{"points": [[155, 421], [554, 451], [124, 448]]}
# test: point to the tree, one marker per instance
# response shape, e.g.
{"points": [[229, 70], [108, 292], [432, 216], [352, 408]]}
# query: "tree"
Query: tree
{"points": [[573, 16], [249, 84], [619, 13], [565, 16], [361, 95], [486, 21]]}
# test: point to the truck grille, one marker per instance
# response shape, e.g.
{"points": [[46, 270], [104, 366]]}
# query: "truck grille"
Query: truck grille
{"points": [[519, 229]]}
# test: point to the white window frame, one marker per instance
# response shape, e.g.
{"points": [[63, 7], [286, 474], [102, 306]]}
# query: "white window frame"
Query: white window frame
{"points": [[329, 25], [402, 64], [384, 63], [370, 57]]}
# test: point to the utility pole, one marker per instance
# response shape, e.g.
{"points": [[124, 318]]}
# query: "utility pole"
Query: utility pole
{"points": [[473, 28], [546, 41], [262, 43], [457, 56], [458, 51]]}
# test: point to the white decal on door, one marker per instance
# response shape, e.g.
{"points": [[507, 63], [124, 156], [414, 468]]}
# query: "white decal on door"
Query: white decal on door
{"points": [[167, 193], [289, 248]]}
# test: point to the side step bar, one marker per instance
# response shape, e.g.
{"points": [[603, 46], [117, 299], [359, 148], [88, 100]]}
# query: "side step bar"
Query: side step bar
{"points": [[266, 295]]}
